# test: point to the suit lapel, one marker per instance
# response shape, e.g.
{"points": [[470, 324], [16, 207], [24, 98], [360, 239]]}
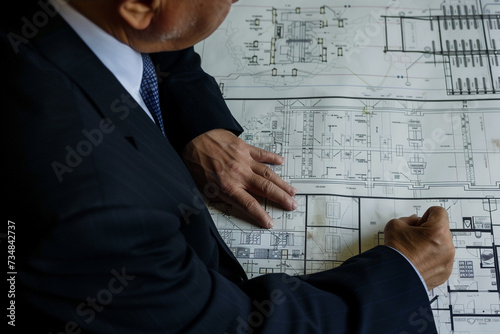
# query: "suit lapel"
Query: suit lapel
{"points": [[64, 48]]}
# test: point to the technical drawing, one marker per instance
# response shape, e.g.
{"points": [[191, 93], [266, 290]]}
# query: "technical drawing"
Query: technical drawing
{"points": [[462, 38], [264, 251], [469, 302], [295, 39], [381, 110], [293, 47], [321, 234], [383, 148], [423, 50], [327, 230]]}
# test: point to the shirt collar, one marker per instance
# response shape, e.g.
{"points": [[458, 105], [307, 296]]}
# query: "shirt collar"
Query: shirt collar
{"points": [[124, 62]]}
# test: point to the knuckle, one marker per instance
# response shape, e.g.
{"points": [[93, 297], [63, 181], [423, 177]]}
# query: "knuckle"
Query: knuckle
{"points": [[218, 167], [444, 234], [263, 154], [390, 225], [451, 253], [392, 221], [234, 167], [251, 205], [267, 172], [239, 144], [228, 188], [441, 210], [267, 187]]}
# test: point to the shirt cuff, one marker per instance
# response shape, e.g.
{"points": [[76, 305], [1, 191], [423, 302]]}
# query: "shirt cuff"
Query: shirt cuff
{"points": [[420, 276]]}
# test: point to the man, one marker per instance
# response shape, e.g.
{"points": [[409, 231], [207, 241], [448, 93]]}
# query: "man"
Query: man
{"points": [[112, 233]]}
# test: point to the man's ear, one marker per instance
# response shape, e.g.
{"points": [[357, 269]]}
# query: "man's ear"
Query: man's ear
{"points": [[138, 13]]}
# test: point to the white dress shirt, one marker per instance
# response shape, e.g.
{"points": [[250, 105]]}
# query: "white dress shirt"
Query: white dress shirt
{"points": [[124, 62]]}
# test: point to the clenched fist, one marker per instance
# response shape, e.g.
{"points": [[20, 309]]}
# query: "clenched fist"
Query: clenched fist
{"points": [[426, 242]]}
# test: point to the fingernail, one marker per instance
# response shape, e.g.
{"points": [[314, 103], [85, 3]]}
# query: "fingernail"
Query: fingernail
{"points": [[293, 190], [270, 224], [295, 205]]}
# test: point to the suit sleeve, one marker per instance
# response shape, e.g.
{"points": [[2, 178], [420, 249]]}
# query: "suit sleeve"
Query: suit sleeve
{"points": [[148, 280], [190, 99]]}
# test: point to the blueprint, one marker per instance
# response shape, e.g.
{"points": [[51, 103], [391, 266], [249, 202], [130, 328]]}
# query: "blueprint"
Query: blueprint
{"points": [[381, 108], [387, 49]]}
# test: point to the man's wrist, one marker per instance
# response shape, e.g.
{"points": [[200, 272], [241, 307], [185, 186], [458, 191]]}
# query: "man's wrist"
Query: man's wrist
{"points": [[413, 266]]}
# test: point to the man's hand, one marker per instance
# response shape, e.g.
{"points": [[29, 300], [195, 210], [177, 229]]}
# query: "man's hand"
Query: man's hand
{"points": [[239, 170], [426, 242]]}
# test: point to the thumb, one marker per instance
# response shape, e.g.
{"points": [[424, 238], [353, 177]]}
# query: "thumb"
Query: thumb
{"points": [[435, 216]]}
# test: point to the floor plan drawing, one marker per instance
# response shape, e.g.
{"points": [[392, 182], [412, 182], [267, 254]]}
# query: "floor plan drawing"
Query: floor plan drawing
{"points": [[384, 49], [304, 241], [381, 110], [376, 147], [326, 230], [469, 302], [461, 37]]}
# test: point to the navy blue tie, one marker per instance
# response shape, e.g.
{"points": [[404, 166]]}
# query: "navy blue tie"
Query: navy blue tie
{"points": [[149, 90]]}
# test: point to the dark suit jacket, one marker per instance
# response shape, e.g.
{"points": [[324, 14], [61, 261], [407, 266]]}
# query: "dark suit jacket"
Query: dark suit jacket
{"points": [[111, 235]]}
